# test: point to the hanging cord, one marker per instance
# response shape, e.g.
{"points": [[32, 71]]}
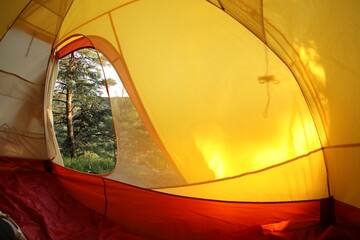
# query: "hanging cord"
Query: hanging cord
{"points": [[267, 79]]}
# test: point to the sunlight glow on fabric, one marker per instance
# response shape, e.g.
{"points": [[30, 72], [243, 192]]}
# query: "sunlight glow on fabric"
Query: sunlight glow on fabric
{"points": [[226, 159], [311, 58], [213, 154], [313, 63]]}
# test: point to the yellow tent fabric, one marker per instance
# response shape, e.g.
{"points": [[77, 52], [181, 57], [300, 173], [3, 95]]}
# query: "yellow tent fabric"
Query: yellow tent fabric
{"points": [[250, 100]]}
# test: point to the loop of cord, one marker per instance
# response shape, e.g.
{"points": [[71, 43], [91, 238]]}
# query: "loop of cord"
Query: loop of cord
{"points": [[267, 79]]}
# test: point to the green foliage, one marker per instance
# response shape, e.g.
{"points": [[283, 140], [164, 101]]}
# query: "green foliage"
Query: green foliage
{"points": [[92, 124], [90, 165]]}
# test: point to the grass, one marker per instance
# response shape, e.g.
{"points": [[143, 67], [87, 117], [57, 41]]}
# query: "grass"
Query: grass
{"points": [[85, 164]]}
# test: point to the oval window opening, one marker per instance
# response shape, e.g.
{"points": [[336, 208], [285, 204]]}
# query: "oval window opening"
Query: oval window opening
{"points": [[82, 114], [97, 125]]}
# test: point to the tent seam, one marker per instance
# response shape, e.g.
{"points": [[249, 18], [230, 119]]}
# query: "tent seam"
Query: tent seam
{"points": [[105, 198], [251, 172]]}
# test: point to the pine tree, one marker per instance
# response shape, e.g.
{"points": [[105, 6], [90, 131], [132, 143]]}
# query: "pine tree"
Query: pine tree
{"points": [[82, 116]]}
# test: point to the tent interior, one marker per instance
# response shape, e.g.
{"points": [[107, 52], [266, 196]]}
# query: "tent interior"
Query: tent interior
{"points": [[254, 105]]}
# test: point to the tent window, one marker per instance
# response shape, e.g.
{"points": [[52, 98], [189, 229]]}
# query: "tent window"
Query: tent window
{"points": [[97, 125], [82, 114]]}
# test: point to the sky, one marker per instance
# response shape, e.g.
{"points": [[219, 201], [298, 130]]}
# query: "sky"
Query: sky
{"points": [[116, 90]]}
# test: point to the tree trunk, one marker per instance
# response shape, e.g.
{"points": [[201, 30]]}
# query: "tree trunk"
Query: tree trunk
{"points": [[69, 108]]}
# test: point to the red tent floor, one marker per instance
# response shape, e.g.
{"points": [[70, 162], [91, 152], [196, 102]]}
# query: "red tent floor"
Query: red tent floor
{"points": [[44, 210], [45, 206]]}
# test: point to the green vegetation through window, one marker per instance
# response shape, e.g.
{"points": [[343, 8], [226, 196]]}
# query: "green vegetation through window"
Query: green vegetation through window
{"points": [[82, 115]]}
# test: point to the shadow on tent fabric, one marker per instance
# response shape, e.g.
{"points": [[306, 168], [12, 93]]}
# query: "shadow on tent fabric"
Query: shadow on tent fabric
{"points": [[43, 209]]}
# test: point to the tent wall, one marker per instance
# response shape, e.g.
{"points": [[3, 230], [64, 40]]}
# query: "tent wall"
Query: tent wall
{"points": [[229, 107], [246, 187], [156, 215], [9, 13], [326, 42], [319, 42], [22, 74], [344, 175], [220, 141], [28, 30]]}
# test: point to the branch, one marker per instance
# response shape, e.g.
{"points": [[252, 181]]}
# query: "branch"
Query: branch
{"points": [[55, 113], [62, 83], [59, 122], [59, 100], [93, 134], [60, 93]]}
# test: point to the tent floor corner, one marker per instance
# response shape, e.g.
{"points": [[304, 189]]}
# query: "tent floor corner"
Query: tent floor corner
{"points": [[43, 209]]}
